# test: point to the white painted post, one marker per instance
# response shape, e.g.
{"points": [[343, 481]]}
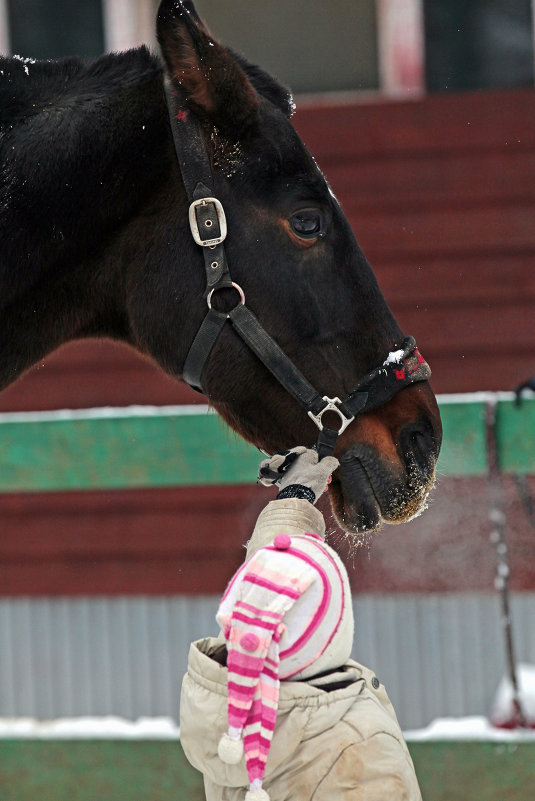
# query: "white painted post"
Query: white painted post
{"points": [[128, 23], [401, 47], [4, 29]]}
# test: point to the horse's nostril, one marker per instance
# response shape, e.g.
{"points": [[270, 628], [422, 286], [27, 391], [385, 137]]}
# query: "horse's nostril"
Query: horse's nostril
{"points": [[419, 447]]}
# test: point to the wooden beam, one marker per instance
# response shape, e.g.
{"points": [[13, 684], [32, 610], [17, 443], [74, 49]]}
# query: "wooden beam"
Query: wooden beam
{"points": [[464, 445], [190, 446], [138, 447], [515, 429]]}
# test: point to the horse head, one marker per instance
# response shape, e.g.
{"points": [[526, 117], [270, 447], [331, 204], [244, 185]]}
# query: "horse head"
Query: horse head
{"points": [[291, 249], [97, 242]]}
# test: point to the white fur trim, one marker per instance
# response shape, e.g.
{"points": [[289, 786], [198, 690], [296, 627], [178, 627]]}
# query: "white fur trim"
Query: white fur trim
{"points": [[230, 751]]}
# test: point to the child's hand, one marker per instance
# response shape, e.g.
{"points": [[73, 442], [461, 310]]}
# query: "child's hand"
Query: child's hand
{"points": [[298, 467]]}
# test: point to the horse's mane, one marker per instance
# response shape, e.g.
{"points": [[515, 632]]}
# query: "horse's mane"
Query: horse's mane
{"points": [[26, 84]]}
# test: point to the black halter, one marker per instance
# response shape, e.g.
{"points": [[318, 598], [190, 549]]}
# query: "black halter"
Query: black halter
{"points": [[209, 229]]}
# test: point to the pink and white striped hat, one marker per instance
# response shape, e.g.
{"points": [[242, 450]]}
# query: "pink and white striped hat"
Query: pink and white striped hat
{"points": [[286, 614]]}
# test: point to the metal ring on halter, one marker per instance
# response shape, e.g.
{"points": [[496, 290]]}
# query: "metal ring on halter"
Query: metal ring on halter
{"points": [[238, 289], [331, 407]]}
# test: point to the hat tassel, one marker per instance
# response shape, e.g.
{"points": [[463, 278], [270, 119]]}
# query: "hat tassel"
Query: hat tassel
{"points": [[230, 749], [256, 793]]}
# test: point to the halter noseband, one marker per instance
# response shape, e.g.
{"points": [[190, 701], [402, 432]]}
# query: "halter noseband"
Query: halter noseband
{"points": [[209, 229]]}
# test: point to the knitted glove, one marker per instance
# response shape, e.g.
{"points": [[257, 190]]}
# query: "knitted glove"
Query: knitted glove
{"points": [[298, 473]]}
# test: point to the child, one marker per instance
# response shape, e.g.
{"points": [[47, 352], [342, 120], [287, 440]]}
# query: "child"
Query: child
{"points": [[276, 703]]}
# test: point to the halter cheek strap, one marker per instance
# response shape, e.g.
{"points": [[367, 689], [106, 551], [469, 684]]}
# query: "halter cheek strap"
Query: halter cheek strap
{"points": [[209, 230]]}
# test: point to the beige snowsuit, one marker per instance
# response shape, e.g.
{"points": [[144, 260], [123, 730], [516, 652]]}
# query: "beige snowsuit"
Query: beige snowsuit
{"points": [[336, 737]]}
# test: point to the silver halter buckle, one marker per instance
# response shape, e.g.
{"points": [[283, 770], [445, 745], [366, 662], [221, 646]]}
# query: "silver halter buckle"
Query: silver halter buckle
{"points": [[193, 224], [330, 406]]}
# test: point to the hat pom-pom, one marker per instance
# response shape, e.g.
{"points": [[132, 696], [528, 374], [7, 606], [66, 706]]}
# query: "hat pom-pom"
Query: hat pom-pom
{"points": [[230, 750], [256, 795]]}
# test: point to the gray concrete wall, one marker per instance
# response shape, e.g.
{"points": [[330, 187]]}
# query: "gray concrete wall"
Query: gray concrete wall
{"points": [[309, 45], [438, 655]]}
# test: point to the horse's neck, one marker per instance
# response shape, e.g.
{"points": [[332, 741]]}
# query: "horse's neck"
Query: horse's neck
{"points": [[80, 174], [76, 167]]}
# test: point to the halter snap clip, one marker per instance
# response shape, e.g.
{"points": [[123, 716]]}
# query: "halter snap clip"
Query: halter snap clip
{"points": [[330, 406]]}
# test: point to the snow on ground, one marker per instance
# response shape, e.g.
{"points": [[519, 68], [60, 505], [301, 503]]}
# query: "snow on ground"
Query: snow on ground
{"points": [[115, 728], [502, 706], [105, 728], [481, 728], [476, 727]]}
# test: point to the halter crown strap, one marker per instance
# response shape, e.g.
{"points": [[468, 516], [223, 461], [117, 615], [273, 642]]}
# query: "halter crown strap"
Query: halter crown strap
{"points": [[206, 215], [208, 228]]}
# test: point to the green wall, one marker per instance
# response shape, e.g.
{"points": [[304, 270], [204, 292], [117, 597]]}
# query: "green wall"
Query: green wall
{"points": [[32, 770], [112, 449]]}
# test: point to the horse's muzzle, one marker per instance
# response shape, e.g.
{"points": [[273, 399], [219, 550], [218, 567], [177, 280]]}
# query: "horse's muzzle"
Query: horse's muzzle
{"points": [[367, 491]]}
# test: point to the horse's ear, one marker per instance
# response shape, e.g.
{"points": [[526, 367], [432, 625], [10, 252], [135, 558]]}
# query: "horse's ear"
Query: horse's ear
{"points": [[210, 77]]}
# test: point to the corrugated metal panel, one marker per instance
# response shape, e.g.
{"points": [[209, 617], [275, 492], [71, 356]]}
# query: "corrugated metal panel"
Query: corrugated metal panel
{"points": [[438, 655], [124, 656]]}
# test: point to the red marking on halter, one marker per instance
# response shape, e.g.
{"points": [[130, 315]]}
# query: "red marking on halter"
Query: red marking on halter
{"points": [[413, 362], [410, 365], [182, 115]]}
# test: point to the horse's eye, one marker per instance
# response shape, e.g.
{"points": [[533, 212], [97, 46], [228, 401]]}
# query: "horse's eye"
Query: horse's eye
{"points": [[307, 223]]}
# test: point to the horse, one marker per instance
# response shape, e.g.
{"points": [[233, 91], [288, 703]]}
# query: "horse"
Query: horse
{"points": [[96, 243]]}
